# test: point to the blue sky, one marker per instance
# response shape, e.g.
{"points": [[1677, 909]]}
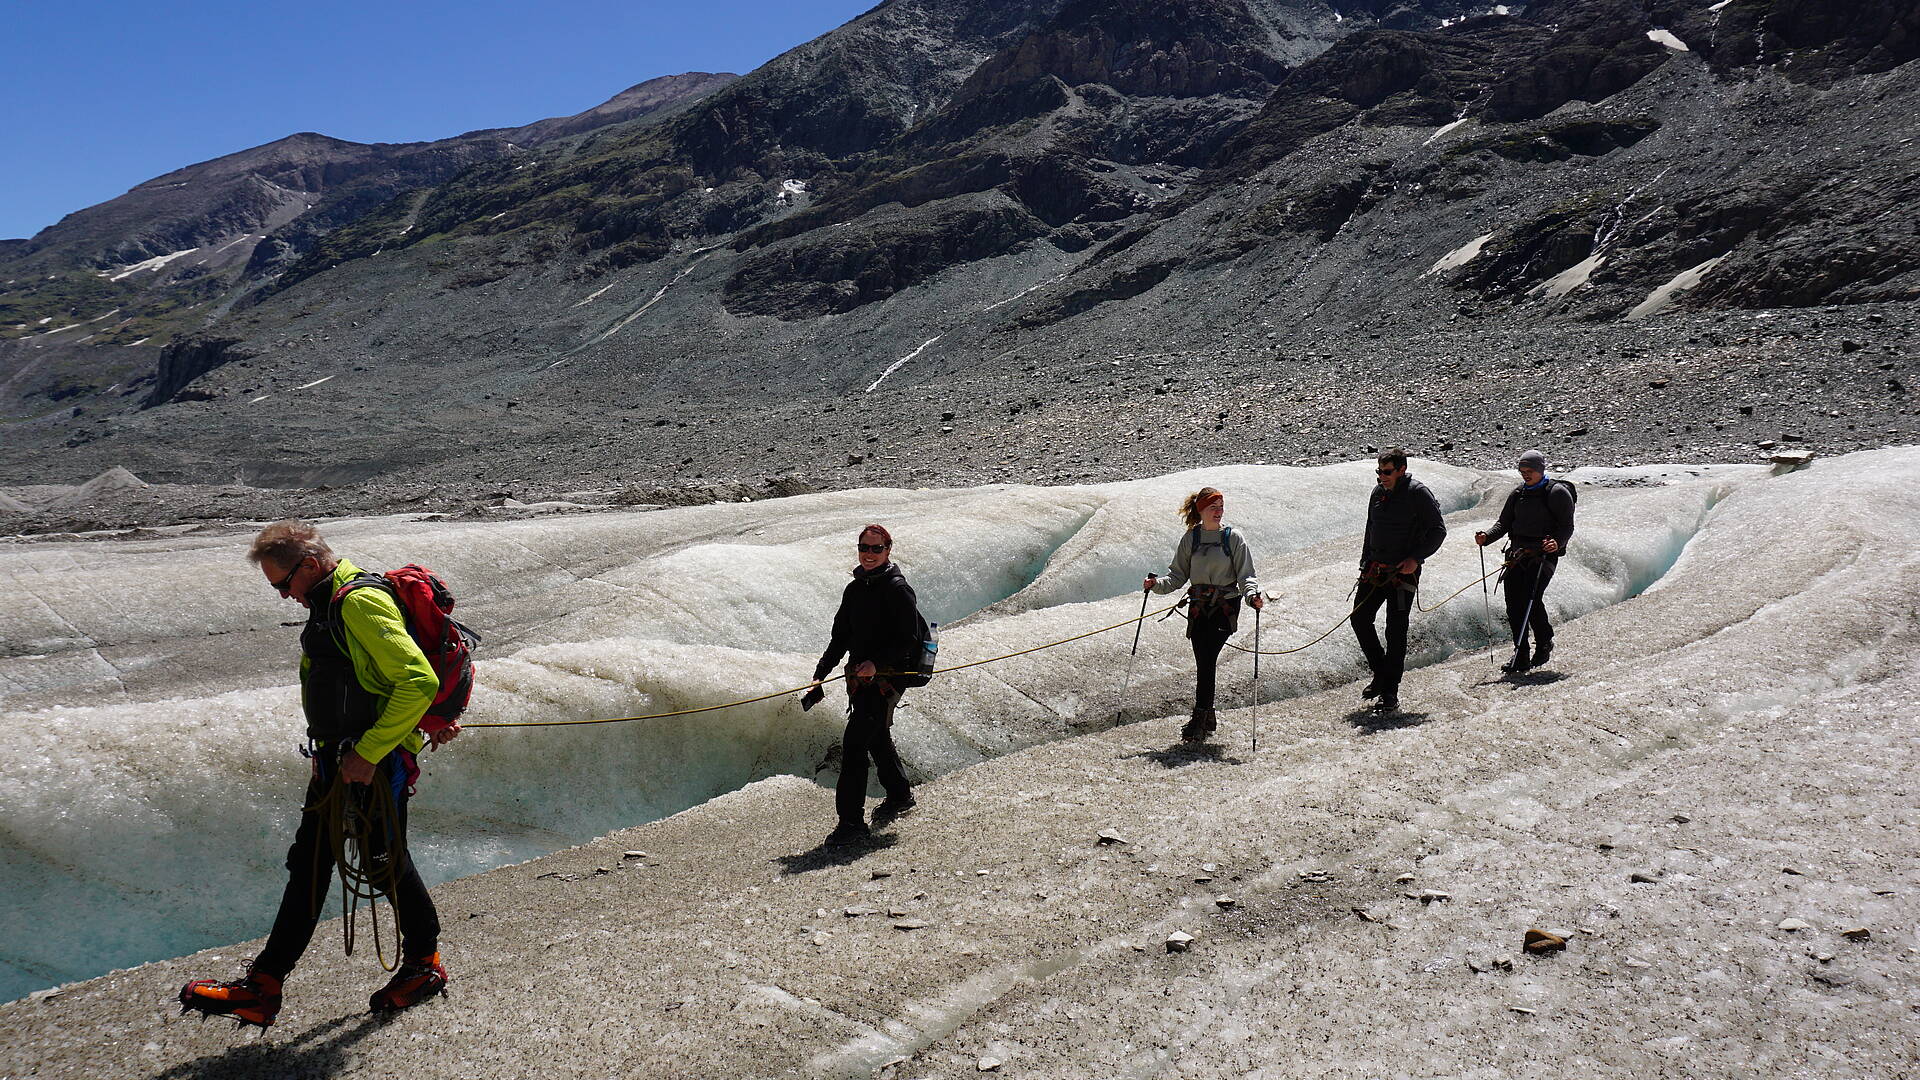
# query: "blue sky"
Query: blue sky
{"points": [[99, 96]]}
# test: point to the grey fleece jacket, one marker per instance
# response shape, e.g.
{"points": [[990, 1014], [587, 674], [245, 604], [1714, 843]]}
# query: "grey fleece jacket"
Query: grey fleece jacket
{"points": [[1209, 565]]}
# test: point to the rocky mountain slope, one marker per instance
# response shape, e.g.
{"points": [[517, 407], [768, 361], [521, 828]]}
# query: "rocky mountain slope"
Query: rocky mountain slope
{"points": [[996, 235], [190, 244]]}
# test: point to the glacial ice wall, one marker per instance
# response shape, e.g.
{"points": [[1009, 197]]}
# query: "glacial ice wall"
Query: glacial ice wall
{"points": [[150, 774]]}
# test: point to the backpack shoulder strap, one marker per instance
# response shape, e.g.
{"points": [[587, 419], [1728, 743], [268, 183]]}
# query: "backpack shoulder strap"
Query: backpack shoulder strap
{"points": [[362, 580]]}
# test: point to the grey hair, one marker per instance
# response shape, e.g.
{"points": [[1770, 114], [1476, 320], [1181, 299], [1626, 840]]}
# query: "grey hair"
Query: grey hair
{"points": [[285, 543]]}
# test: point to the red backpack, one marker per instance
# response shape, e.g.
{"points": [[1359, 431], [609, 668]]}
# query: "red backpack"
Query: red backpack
{"points": [[427, 605]]}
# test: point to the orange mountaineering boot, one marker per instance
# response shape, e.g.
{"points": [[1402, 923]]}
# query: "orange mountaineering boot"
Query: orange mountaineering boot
{"points": [[254, 999], [415, 982]]}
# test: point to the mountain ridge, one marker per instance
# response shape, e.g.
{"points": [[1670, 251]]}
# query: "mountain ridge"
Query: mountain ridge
{"points": [[991, 187]]}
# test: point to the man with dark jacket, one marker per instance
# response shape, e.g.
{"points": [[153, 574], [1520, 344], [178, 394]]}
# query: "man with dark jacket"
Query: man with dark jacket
{"points": [[1538, 515], [1404, 529], [364, 686], [877, 629]]}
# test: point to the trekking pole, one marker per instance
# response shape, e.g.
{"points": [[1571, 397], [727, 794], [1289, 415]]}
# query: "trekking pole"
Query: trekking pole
{"points": [[1533, 594], [1486, 596], [1121, 707], [1256, 680]]}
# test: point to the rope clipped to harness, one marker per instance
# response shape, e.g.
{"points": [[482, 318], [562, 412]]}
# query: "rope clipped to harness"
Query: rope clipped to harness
{"points": [[359, 824]]}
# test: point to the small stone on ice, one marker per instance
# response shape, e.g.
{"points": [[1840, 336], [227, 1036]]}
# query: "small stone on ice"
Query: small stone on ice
{"points": [[990, 1064], [1641, 877], [1428, 896], [910, 924], [1680, 819], [1540, 942], [1791, 925], [633, 854], [878, 874], [1638, 965], [1823, 957], [1108, 836], [1179, 941], [1224, 901], [1377, 914], [1211, 868], [1523, 1012], [1857, 933], [1404, 879]]}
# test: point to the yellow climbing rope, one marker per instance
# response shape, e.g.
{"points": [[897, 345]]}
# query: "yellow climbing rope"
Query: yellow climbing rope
{"points": [[809, 685], [1167, 611]]}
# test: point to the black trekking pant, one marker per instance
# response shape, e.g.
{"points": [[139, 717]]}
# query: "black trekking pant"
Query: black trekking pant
{"points": [[1388, 663], [1526, 584], [869, 735], [1207, 643], [310, 878]]}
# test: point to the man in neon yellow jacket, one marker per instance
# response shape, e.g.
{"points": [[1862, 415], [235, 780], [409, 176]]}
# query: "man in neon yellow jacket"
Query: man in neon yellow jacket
{"points": [[364, 686]]}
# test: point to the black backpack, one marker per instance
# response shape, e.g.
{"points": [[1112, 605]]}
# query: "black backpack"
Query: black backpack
{"points": [[916, 668]]}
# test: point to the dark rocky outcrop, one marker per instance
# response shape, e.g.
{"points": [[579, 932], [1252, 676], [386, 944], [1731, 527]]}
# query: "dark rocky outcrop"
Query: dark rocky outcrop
{"points": [[1816, 41], [188, 359], [1600, 49], [838, 270]]}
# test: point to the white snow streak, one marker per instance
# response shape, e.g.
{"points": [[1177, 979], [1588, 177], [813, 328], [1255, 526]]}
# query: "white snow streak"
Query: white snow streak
{"points": [[1459, 256], [1022, 293], [895, 366], [1661, 298], [1571, 278], [596, 294], [1666, 37], [1443, 130], [642, 310], [154, 263], [312, 384]]}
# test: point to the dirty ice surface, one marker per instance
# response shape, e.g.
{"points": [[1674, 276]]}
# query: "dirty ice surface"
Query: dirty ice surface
{"points": [[150, 773]]}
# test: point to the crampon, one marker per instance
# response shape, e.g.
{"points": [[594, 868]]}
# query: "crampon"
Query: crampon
{"points": [[254, 999], [413, 983]]}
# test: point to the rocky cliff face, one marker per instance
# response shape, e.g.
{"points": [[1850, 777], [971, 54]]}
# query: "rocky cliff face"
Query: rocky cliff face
{"points": [[996, 188]]}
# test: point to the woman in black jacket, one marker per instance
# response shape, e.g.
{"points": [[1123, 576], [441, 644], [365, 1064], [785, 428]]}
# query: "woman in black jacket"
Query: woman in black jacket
{"points": [[877, 630]]}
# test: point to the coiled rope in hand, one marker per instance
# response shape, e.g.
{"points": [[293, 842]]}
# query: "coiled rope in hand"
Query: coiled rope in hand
{"points": [[360, 824]]}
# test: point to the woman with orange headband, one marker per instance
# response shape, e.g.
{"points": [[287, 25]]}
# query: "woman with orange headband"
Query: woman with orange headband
{"points": [[1219, 565]]}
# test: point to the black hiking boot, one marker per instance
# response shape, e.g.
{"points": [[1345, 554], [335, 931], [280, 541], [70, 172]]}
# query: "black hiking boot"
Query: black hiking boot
{"points": [[892, 809], [1518, 665], [848, 833], [1371, 690], [1199, 727], [1389, 701], [1542, 652]]}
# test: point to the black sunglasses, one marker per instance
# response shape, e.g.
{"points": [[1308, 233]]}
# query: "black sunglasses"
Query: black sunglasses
{"points": [[281, 585], [871, 549], [1386, 472]]}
